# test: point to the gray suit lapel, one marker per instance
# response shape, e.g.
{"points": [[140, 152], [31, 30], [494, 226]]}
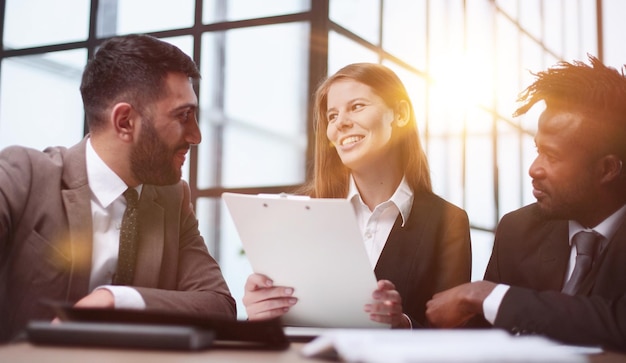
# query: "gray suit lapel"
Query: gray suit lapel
{"points": [[76, 199]]}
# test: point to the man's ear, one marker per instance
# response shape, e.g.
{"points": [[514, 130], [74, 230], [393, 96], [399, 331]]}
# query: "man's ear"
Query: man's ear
{"points": [[124, 117], [611, 167], [402, 114]]}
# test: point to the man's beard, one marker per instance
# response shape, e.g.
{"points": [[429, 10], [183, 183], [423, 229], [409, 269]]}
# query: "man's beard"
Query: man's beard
{"points": [[152, 160], [560, 209]]}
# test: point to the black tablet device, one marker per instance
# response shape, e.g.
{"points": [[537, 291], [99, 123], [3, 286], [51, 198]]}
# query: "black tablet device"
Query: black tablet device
{"points": [[226, 333], [120, 335]]}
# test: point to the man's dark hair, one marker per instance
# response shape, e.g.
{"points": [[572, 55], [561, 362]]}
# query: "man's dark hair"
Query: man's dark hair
{"points": [[131, 69], [593, 89]]}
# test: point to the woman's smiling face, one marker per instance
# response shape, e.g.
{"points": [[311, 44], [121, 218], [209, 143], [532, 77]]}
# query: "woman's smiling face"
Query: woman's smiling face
{"points": [[359, 124]]}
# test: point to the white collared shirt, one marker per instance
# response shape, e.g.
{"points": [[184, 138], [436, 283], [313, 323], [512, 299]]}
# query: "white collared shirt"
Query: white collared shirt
{"points": [[107, 208], [606, 228], [376, 225]]}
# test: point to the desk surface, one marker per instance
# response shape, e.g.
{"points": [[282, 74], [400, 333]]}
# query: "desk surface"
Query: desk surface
{"points": [[27, 353]]}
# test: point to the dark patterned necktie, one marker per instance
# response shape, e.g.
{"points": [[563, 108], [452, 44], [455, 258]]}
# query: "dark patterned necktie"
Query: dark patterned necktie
{"points": [[128, 241], [585, 250]]}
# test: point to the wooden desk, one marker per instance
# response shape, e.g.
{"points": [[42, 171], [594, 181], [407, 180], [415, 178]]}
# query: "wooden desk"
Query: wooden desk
{"points": [[27, 353]]}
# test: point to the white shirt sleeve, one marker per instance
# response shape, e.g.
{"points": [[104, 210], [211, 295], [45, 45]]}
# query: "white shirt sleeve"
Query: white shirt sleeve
{"points": [[493, 301], [125, 297]]}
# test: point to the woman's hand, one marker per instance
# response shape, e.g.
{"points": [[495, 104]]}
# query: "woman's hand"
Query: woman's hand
{"points": [[263, 300], [387, 306]]}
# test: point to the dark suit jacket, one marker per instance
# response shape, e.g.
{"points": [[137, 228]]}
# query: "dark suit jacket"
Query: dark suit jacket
{"points": [[46, 241], [531, 254], [431, 253]]}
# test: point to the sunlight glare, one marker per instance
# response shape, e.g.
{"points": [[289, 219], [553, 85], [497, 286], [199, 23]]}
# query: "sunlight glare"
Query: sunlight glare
{"points": [[460, 83]]}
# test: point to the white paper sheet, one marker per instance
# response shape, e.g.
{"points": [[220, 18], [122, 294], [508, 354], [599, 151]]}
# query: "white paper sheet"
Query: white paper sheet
{"points": [[429, 345]]}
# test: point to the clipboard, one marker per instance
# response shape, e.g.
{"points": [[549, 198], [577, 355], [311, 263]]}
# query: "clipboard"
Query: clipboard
{"points": [[313, 245]]}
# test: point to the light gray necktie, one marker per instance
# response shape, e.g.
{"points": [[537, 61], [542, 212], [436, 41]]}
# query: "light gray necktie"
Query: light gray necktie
{"points": [[585, 243], [127, 254]]}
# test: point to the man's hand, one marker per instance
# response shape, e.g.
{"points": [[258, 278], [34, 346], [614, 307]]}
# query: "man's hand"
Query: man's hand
{"points": [[99, 298], [387, 306], [454, 307], [263, 300]]}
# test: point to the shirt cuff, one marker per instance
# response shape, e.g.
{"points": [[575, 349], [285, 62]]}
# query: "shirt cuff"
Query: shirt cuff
{"points": [[125, 297], [409, 319], [491, 304]]}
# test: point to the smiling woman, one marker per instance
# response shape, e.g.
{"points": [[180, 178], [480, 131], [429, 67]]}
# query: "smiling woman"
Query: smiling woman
{"points": [[360, 125], [417, 243]]}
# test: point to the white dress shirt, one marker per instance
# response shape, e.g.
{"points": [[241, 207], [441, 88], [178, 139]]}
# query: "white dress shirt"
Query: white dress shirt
{"points": [[375, 225], [107, 208], [606, 228]]}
